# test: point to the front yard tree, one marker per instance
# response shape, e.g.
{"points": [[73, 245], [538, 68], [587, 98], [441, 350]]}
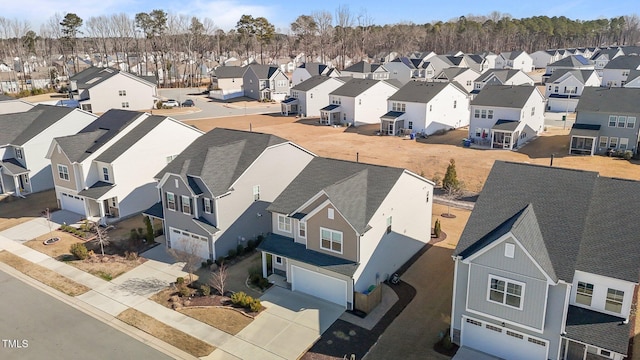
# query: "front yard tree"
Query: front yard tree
{"points": [[70, 27], [450, 180], [218, 279], [101, 236]]}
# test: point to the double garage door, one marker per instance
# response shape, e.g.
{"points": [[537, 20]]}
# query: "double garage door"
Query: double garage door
{"points": [[72, 203], [319, 285], [501, 342], [189, 243]]}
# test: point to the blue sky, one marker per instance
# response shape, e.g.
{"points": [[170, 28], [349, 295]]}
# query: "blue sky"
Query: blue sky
{"points": [[225, 13]]}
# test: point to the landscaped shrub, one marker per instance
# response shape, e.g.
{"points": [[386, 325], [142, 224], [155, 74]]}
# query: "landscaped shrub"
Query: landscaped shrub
{"points": [[436, 228], [180, 280], [220, 260], [238, 298], [240, 249], [232, 253], [133, 235], [255, 305], [131, 255], [251, 244], [79, 250], [627, 155], [263, 283], [206, 290], [184, 291], [149, 226]]}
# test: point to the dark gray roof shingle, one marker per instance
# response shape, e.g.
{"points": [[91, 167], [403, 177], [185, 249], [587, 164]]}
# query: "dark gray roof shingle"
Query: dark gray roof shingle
{"points": [[595, 328], [312, 82], [14, 166], [504, 96], [354, 87], [418, 91], [229, 72], [18, 128], [132, 137], [625, 62], [503, 75], [580, 75], [615, 100], [572, 61], [263, 71], [96, 190]]}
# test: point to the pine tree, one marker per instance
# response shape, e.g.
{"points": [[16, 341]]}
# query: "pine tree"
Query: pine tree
{"points": [[450, 181]]}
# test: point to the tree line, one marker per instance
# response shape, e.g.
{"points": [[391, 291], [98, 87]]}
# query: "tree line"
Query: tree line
{"points": [[172, 39]]}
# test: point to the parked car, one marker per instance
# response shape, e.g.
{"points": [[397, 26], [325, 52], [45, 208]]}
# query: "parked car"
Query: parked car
{"points": [[171, 103], [188, 103]]}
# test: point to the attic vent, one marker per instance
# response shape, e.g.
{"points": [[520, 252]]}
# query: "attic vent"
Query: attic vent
{"points": [[509, 250]]}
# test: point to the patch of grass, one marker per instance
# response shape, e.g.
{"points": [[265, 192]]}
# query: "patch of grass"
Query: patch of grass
{"points": [[58, 250], [168, 334], [162, 297], [44, 275], [227, 320], [104, 275], [107, 271]]}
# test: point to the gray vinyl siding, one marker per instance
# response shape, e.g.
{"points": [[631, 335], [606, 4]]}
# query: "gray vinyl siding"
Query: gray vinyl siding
{"points": [[533, 301], [555, 315], [602, 119], [247, 227], [460, 298], [520, 264], [177, 219], [251, 85], [280, 77]]}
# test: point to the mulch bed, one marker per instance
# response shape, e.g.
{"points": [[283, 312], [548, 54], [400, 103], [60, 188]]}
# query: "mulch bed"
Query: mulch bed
{"points": [[435, 240]]}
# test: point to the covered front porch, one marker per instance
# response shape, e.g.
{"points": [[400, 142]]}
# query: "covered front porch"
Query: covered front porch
{"points": [[583, 139], [392, 123], [504, 134], [14, 178], [289, 106], [592, 335], [330, 114], [100, 206]]}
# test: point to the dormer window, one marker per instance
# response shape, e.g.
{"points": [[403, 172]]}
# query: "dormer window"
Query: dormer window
{"points": [[18, 153], [105, 174]]}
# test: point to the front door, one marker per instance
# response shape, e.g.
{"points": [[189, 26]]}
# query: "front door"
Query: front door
{"points": [[390, 129], [507, 142]]}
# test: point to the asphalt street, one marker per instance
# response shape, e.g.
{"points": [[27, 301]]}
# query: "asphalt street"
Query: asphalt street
{"points": [[35, 325]]}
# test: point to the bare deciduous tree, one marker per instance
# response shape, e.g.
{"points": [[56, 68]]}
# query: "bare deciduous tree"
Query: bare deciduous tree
{"points": [[189, 255], [218, 279]]}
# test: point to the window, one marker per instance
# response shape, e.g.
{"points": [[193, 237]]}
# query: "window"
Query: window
{"points": [[125, 105], [490, 114], [484, 114], [494, 328], [474, 322], [389, 222], [359, 101], [330, 213], [631, 122], [170, 158], [584, 293], [302, 229], [105, 174], [506, 292], [622, 120], [122, 92], [18, 153], [614, 300], [533, 111], [549, 87], [410, 125], [398, 106], [176, 183], [612, 120], [86, 107], [478, 132], [468, 82], [476, 113], [331, 240], [279, 260], [603, 141], [284, 223], [430, 107], [171, 201], [256, 192], [613, 142], [207, 205], [509, 250], [624, 144], [311, 95], [186, 205], [455, 104], [555, 89], [605, 353], [63, 172]]}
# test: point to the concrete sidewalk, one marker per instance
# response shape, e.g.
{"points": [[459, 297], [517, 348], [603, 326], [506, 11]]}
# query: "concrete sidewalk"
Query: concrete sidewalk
{"points": [[40, 226]]}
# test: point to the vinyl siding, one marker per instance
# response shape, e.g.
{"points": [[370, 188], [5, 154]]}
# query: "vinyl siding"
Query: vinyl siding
{"points": [[602, 119], [321, 219]]}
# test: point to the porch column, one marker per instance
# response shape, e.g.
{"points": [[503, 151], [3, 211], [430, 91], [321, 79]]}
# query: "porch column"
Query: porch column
{"points": [[593, 146], [102, 212], [16, 183], [491, 143], [264, 265]]}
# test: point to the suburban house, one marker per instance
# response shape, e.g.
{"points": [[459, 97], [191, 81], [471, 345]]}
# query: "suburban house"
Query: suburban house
{"points": [[365, 70], [100, 89], [425, 107], [505, 116], [602, 57], [633, 80], [616, 72], [10, 105], [519, 60], [500, 77], [541, 271], [542, 58], [572, 62], [403, 69], [310, 69], [342, 227], [105, 172], [308, 97], [265, 82], [358, 102], [463, 76], [489, 59], [226, 82], [215, 193], [564, 87], [606, 120], [24, 140]]}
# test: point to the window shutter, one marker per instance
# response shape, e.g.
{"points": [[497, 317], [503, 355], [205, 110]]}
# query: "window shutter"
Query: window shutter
{"points": [[191, 207]]}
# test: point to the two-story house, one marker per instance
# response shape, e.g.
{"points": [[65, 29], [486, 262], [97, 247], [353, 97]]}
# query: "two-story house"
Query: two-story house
{"points": [[358, 102], [572, 62], [341, 227], [564, 88], [10, 105], [547, 266], [505, 116], [500, 77], [309, 96], [606, 120], [24, 140], [100, 89], [215, 193], [311, 69], [602, 57], [365, 70], [425, 107], [463, 76], [227, 82], [519, 60], [105, 172], [542, 58], [265, 82], [616, 72]]}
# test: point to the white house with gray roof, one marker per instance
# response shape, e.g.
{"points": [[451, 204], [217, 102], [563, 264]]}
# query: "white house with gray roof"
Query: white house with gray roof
{"points": [[463, 76], [572, 62], [309, 96], [616, 72], [500, 77], [606, 121], [633, 80], [24, 140], [100, 89], [519, 60], [311, 69], [541, 271], [602, 57], [365, 70], [564, 88], [343, 227], [542, 58], [425, 107], [227, 82], [506, 117], [105, 172], [358, 102], [214, 195]]}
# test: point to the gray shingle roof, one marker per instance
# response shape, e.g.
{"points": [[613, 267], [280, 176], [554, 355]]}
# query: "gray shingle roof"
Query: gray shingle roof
{"points": [[616, 100], [14, 166], [312, 82], [92, 76], [219, 157], [633, 74], [263, 71], [418, 91], [206, 225], [451, 73], [586, 211], [580, 75], [595, 328], [286, 247], [156, 210], [504, 75], [354, 87], [504, 96], [229, 72], [584, 130], [132, 137], [502, 124], [96, 190], [359, 67], [314, 68], [626, 62], [18, 128], [355, 189], [573, 61]]}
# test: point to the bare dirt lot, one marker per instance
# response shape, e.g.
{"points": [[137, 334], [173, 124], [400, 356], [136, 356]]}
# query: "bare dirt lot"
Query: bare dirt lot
{"points": [[428, 159]]}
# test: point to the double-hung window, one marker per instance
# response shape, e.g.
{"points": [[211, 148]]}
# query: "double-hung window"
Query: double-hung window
{"points": [[284, 223], [186, 205], [614, 300], [256, 192], [63, 172], [506, 292], [171, 201], [612, 120], [302, 229], [207, 205], [18, 153], [331, 240], [631, 122], [584, 293], [622, 120]]}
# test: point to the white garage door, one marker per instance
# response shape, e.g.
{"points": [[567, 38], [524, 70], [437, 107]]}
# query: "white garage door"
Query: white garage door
{"points": [[501, 342], [319, 285], [72, 203], [189, 243]]}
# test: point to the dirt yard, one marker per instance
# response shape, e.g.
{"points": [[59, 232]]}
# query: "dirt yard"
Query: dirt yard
{"points": [[428, 159], [14, 210]]}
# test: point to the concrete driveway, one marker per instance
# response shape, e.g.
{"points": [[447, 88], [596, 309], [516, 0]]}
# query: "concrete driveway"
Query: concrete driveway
{"points": [[40, 226], [291, 323]]}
